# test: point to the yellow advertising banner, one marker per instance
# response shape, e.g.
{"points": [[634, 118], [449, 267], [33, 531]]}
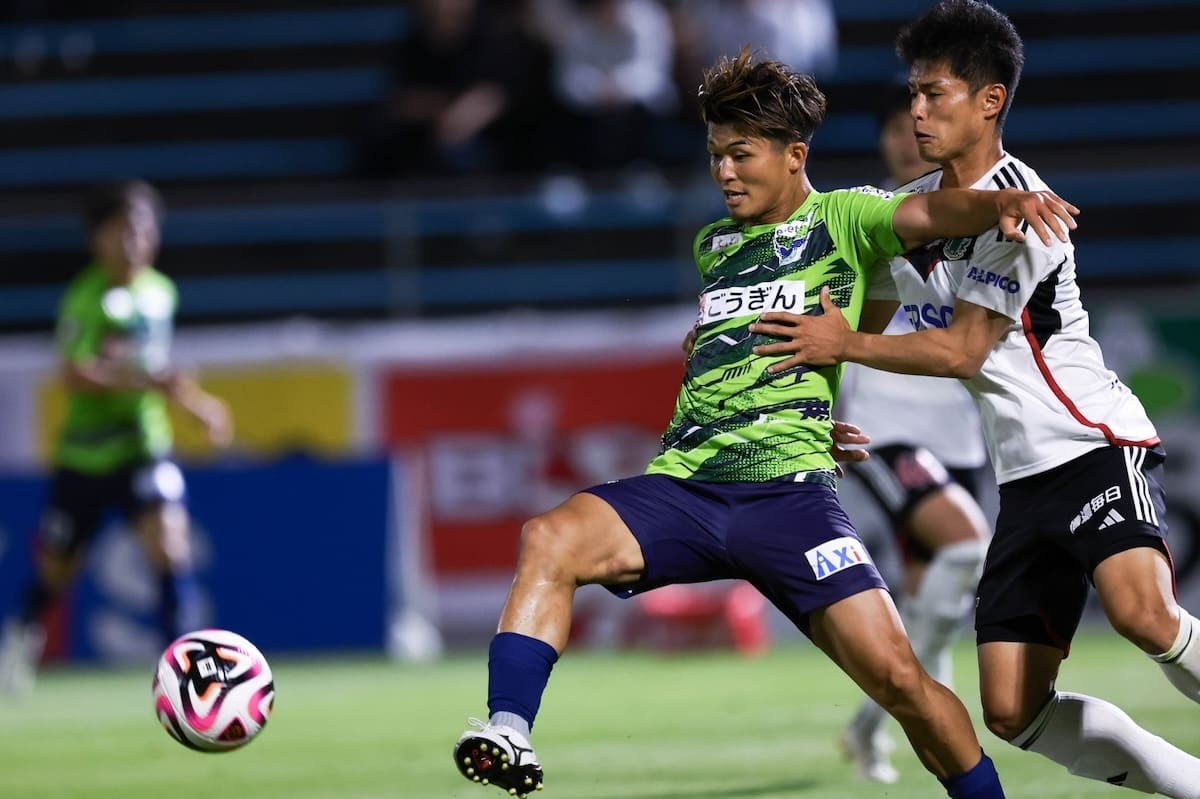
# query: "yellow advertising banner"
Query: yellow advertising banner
{"points": [[277, 408]]}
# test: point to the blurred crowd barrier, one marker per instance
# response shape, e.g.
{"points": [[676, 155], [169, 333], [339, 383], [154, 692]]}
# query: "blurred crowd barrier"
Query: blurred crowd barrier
{"points": [[382, 472]]}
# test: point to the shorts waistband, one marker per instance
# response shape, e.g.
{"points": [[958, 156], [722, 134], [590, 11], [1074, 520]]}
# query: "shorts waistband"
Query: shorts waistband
{"points": [[825, 477]]}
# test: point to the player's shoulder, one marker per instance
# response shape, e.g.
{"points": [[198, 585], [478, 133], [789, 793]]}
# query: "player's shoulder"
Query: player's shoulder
{"points": [[1011, 172], [930, 181]]}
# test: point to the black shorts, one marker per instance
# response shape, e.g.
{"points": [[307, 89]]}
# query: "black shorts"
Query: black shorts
{"points": [[1053, 530], [898, 477], [78, 500]]}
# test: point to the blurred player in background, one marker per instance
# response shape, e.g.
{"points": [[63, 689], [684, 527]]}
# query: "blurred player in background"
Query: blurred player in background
{"points": [[1078, 461], [928, 461], [113, 451], [744, 486]]}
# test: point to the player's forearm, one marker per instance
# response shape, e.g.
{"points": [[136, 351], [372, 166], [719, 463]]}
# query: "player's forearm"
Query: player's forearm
{"points": [[925, 352], [946, 213]]}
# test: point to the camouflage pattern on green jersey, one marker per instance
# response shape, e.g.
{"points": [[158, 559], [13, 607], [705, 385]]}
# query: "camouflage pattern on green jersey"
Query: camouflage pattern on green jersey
{"points": [[734, 421]]}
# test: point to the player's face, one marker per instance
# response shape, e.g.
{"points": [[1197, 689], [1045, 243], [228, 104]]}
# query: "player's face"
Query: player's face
{"points": [[757, 176], [948, 118], [128, 242], [898, 147]]}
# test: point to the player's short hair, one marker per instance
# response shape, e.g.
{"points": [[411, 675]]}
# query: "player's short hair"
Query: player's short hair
{"points": [[762, 98], [104, 202], [976, 42]]}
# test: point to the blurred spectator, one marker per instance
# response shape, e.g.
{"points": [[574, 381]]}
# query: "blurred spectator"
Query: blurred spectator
{"points": [[612, 70], [463, 80]]}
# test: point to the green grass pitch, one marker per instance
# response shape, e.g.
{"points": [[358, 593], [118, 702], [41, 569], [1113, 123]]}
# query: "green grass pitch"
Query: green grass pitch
{"points": [[619, 725]]}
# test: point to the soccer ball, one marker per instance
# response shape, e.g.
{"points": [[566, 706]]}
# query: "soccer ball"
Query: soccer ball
{"points": [[213, 690]]}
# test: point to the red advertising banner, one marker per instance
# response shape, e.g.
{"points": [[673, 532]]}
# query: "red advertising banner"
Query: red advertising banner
{"points": [[502, 442]]}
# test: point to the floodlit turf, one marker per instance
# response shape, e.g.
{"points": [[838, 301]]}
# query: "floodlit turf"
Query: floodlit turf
{"points": [[628, 726]]}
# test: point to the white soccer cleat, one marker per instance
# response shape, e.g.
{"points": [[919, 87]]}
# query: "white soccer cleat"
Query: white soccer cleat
{"points": [[20, 651], [498, 755], [870, 755]]}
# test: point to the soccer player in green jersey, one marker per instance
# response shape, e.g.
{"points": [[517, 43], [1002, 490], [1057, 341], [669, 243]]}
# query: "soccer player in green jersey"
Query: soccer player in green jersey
{"points": [[744, 486], [113, 451]]}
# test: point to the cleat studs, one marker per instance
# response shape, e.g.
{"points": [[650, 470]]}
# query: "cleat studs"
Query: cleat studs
{"points": [[467, 760], [512, 791], [503, 758], [476, 778], [495, 750], [529, 780], [504, 767], [540, 786], [470, 772], [484, 781]]}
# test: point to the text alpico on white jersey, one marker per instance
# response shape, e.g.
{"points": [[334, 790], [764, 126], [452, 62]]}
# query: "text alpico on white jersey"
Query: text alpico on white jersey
{"points": [[1044, 393]]}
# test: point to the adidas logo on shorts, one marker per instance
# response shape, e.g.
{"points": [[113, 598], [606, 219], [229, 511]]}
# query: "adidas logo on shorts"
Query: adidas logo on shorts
{"points": [[1111, 518]]}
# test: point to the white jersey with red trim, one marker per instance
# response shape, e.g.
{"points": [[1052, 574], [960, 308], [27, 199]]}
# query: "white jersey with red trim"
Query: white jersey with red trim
{"points": [[1044, 393]]}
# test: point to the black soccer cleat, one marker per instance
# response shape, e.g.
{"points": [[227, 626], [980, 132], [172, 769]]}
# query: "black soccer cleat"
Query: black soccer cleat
{"points": [[500, 756]]}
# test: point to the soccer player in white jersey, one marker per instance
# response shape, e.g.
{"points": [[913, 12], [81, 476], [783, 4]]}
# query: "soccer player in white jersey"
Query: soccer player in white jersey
{"points": [[926, 467], [1078, 461]]}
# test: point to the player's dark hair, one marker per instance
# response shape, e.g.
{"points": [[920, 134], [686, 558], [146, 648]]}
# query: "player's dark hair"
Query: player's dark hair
{"points": [[764, 98], [976, 42], [113, 199]]}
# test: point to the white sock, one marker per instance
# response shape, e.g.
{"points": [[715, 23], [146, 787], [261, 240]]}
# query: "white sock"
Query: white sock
{"points": [[933, 617], [1181, 663], [1096, 739]]}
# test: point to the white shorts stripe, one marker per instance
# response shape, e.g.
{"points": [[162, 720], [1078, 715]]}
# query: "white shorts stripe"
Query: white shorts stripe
{"points": [[1143, 504]]}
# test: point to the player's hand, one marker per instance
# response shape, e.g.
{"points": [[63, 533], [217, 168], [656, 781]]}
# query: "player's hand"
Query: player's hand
{"points": [[1045, 212], [807, 340], [845, 434], [689, 342]]}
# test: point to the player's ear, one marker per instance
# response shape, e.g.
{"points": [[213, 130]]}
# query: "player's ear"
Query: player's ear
{"points": [[797, 153], [993, 98]]}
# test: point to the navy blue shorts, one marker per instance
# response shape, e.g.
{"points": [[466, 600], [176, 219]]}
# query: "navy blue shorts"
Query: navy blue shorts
{"points": [[791, 541]]}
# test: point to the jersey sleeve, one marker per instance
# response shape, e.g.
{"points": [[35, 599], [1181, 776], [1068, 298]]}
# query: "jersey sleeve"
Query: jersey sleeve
{"points": [[1002, 275], [77, 330], [860, 220]]}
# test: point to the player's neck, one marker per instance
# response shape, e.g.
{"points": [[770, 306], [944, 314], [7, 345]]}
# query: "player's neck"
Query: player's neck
{"points": [[964, 170]]}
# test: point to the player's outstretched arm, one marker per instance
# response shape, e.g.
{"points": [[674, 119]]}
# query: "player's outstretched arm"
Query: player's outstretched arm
{"points": [[211, 411], [951, 213], [955, 351]]}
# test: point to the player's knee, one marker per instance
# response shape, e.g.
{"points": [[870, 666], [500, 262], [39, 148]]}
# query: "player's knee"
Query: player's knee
{"points": [[899, 686], [1006, 721], [546, 542]]}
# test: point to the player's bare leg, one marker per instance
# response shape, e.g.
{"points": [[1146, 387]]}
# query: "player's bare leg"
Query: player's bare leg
{"points": [[1137, 589], [864, 636], [580, 542], [1088, 736], [162, 529], [939, 594]]}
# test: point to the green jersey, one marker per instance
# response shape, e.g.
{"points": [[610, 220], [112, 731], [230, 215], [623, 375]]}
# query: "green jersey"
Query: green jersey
{"points": [[733, 420], [105, 430]]}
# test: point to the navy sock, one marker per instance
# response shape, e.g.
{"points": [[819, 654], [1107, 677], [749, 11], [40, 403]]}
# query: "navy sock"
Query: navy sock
{"points": [[981, 782], [518, 670], [37, 598], [179, 604]]}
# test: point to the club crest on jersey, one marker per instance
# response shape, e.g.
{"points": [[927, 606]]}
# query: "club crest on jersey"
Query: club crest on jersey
{"points": [[956, 249], [836, 555], [790, 238]]}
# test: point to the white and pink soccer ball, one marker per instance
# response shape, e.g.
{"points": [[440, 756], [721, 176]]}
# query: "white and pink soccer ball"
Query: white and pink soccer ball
{"points": [[213, 690]]}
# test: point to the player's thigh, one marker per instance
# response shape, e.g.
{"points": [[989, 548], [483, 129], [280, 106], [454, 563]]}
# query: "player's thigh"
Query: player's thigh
{"points": [[947, 516], [660, 530], [1137, 590], [1015, 680], [864, 636], [585, 539]]}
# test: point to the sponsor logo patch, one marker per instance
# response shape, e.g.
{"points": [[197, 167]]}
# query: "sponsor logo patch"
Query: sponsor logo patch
{"points": [[728, 303], [956, 249], [836, 555], [1092, 506], [725, 240], [1002, 282]]}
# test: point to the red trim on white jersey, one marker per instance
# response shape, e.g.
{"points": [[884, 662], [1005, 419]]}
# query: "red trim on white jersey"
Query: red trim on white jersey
{"points": [[1044, 368]]}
